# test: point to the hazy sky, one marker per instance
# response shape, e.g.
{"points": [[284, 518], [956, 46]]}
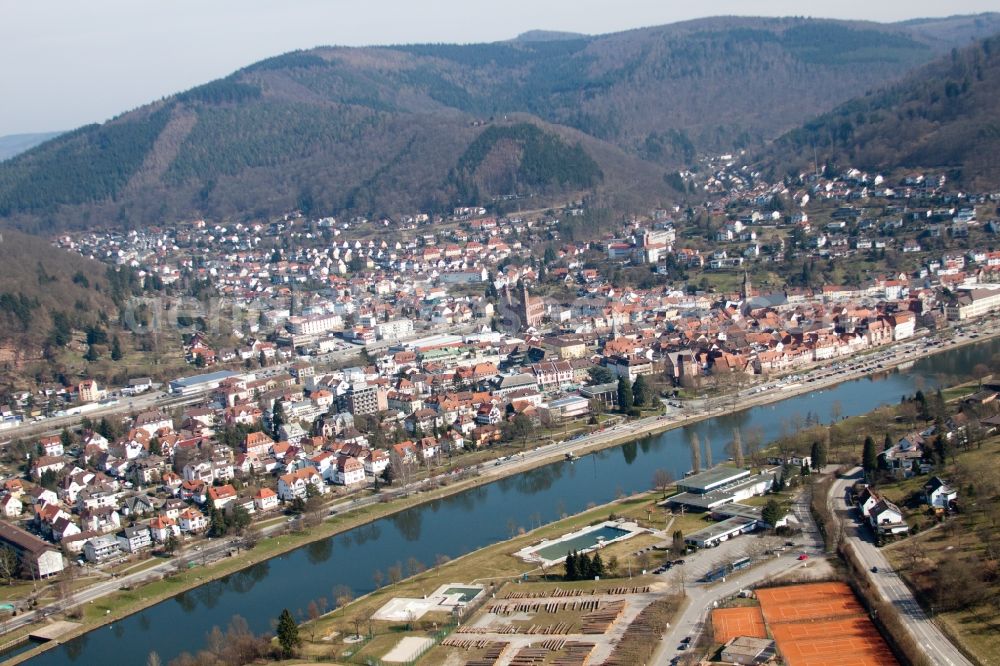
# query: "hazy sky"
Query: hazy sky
{"points": [[64, 63]]}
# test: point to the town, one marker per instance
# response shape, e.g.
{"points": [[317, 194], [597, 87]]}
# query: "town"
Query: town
{"points": [[315, 360]]}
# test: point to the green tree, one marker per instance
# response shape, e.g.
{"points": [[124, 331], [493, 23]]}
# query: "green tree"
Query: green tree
{"points": [[91, 354], [48, 479], [116, 349], [597, 566], [218, 525], [818, 454], [240, 519], [570, 566], [600, 375], [772, 513], [66, 437], [288, 633], [869, 458], [625, 401], [277, 416], [642, 392]]}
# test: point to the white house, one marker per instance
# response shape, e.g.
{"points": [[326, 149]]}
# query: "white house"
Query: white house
{"points": [[11, 506], [193, 520], [939, 494], [102, 548], [134, 539], [376, 461], [886, 518], [349, 471], [295, 484], [265, 499], [161, 527]]}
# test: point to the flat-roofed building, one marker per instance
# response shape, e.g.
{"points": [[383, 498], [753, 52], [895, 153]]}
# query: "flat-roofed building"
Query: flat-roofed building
{"points": [[713, 535], [712, 479], [748, 650], [200, 383]]}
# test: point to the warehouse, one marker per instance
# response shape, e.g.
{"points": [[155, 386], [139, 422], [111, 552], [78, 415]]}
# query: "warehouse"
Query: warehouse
{"points": [[715, 534], [200, 383]]}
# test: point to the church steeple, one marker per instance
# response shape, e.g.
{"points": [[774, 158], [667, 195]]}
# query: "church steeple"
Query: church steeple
{"points": [[746, 291]]}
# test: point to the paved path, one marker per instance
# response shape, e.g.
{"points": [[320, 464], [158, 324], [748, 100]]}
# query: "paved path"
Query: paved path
{"points": [[888, 583]]}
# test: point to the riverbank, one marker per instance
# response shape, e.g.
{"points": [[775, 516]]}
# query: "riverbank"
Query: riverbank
{"points": [[127, 603]]}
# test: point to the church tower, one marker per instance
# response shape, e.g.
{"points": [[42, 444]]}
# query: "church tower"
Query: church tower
{"points": [[746, 292]]}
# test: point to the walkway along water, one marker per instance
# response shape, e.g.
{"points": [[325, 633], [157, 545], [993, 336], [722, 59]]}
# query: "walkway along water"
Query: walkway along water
{"points": [[470, 520]]}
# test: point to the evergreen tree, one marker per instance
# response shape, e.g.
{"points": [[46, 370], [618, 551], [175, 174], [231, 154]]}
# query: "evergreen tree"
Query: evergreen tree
{"points": [[597, 565], [869, 458], [91, 354], [625, 401], [277, 416], [583, 567], [887, 442], [570, 565], [116, 349], [771, 513], [818, 454], [288, 633], [641, 391]]}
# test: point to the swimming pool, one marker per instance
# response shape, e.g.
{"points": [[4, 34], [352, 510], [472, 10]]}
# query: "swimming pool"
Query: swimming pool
{"points": [[579, 542]]}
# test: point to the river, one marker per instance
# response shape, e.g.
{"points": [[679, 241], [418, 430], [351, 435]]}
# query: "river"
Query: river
{"points": [[471, 520]]}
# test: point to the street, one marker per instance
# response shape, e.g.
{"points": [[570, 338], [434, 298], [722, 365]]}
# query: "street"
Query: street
{"points": [[889, 585]]}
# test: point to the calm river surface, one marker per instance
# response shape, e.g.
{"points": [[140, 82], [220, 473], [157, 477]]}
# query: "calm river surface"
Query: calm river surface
{"points": [[470, 520]]}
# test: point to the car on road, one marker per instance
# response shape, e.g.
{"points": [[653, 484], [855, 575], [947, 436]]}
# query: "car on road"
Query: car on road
{"points": [[874, 569], [803, 556]]}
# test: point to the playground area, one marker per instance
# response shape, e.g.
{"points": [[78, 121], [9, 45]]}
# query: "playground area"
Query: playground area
{"points": [[592, 537], [445, 599]]}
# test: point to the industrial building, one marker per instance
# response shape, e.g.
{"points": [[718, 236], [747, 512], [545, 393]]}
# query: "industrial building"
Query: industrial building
{"points": [[200, 383]]}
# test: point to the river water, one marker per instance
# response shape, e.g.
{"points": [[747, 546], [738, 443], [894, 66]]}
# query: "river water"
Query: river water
{"points": [[471, 520]]}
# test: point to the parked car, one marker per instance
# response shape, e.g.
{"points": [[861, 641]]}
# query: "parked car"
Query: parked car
{"points": [[874, 569]]}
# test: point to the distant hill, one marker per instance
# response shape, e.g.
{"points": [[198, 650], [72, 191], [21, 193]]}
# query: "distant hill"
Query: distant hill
{"points": [[388, 130], [15, 144], [944, 116]]}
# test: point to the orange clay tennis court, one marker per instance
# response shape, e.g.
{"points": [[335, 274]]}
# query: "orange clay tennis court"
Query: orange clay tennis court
{"points": [[732, 622], [822, 624], [808, 602]]}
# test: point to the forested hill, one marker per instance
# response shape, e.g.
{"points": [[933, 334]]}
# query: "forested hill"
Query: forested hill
{"points": [[46, 292], [385, 130], [944, 116]]}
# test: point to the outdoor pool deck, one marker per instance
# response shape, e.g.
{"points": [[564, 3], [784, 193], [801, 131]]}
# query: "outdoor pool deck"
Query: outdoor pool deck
{"points": [[446, 598], [550, 552]]}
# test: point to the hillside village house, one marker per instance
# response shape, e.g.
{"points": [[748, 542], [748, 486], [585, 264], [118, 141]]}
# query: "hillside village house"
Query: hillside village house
{"points": [[939, 494]]}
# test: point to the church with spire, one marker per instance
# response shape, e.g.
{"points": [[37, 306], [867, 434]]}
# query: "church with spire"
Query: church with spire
{"points": [[746, 290]]}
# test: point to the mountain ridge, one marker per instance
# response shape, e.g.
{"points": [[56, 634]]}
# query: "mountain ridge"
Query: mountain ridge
{"points": [[942, 116], [380, 130]]}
